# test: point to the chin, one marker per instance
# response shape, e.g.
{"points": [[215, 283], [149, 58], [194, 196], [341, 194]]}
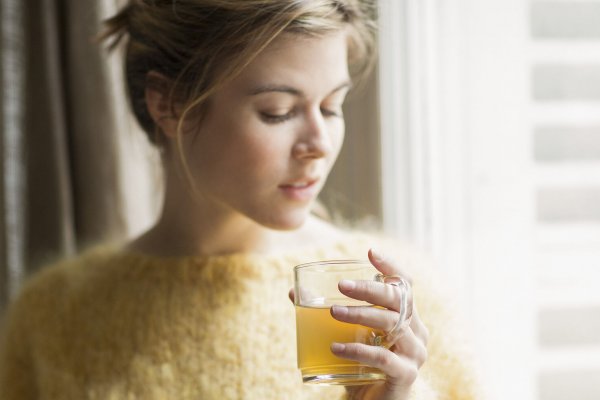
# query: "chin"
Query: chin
{"points": [[289, 222]]}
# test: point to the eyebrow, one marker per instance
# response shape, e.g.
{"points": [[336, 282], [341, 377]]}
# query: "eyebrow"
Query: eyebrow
{"points": [[291, 90]]}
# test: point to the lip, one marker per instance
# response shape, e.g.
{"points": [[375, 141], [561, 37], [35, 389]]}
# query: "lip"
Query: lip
{"points": [[302, 189]]}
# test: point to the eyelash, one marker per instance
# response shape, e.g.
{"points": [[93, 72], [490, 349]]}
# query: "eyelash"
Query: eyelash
{"points": [[277, 119], [329, 113]]}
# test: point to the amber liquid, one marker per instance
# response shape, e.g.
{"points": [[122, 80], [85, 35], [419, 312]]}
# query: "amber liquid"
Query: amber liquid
{"points": [[316, 329]]}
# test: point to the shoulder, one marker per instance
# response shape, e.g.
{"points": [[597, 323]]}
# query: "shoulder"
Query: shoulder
{"points": [[68, 270], [33, 315], [355, 243], [50, 286], [321, 233]]}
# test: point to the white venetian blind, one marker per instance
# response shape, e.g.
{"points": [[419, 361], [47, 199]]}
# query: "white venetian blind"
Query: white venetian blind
{"points": [[565, 74], [491, 161]]}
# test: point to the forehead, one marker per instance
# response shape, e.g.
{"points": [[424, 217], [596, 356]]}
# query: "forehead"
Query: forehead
{"points": [[310, 64]]}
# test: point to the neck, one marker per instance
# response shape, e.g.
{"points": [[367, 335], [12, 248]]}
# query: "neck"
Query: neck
{"points": [[192, 226], [208, 235], [186, 227]]}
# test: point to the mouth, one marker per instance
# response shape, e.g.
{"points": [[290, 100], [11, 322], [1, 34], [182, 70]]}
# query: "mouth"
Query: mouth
{"points": [[305, 189], [299, 185], [303, 182]]}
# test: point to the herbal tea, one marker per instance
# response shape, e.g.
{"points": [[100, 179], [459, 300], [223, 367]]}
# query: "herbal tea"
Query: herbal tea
{"points": [[316, 329]]}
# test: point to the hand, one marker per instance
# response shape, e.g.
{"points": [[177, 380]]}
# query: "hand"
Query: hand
{"points": [[402, 361]]}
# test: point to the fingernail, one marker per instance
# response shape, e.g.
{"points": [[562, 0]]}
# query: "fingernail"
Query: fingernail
{"points": [[377, 256], [338, 347], [339, 311], [346, 284]]}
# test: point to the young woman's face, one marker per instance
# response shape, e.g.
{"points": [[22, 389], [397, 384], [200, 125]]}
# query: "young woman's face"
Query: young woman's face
{"points": [[271, 136]]}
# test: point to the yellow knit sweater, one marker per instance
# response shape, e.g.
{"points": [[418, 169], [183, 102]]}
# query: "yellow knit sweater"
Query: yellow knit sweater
{"points": [[112, 324]]}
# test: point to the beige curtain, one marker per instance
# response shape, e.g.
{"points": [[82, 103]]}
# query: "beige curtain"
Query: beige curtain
{"points": [[65, 138], [75, 170]]}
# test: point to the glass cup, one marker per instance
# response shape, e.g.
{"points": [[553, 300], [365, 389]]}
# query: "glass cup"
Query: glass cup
{"points": [[316, 290]]}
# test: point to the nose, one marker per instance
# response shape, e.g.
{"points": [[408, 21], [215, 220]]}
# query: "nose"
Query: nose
{"points": [[314, 140]]}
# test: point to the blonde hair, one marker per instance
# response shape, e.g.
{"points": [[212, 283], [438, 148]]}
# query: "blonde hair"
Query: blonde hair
{"points": [[202, 44]]}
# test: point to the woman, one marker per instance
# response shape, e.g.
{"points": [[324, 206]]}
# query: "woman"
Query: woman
{"points": [[244, 100]]}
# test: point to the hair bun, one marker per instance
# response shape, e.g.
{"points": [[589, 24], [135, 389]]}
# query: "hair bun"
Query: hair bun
{"points": [[118, 25]]}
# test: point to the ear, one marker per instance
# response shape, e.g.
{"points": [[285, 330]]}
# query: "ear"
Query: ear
{"points": [[159, 103]]}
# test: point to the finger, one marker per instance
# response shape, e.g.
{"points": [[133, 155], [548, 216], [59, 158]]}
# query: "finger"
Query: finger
{"points": [[419, 328], [291, 294], [387, 266], [378, 293], [373, 317], [412, 347], [401, 370]]}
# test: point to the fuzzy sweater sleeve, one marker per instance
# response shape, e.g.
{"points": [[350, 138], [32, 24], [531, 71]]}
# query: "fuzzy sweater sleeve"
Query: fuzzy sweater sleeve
{"points": [[16, 364], [25, 323]]}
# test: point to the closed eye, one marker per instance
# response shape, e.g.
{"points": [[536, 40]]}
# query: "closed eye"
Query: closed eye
{"points": [[327, 112], [276, 118]]}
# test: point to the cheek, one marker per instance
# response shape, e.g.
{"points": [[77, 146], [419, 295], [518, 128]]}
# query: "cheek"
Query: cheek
{"points": [[337, 140], [246, 156]]}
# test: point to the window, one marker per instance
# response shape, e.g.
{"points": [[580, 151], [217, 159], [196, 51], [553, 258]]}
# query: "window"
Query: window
{"points": [[491, 158]]}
